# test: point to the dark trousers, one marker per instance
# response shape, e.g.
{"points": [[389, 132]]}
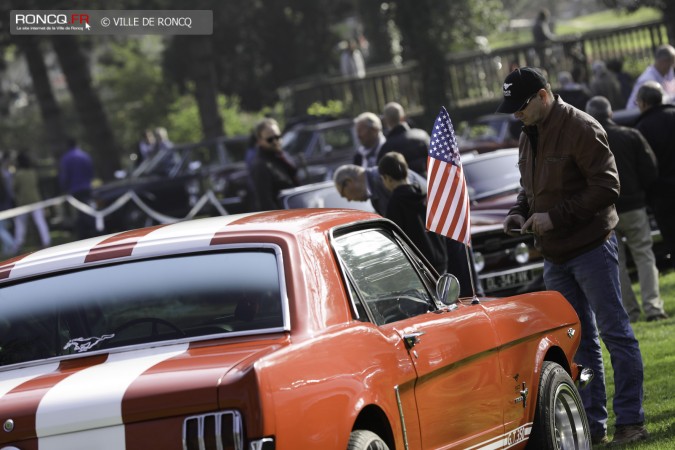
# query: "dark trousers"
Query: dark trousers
{"points": [[84, 223], [664, 213]]}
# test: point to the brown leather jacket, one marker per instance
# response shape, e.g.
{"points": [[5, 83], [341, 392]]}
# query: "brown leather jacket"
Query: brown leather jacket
{"points": [[572, 175]]}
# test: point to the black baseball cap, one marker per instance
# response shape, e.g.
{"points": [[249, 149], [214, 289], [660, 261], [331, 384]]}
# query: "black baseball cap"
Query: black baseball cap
{"points": [[518, 86]]}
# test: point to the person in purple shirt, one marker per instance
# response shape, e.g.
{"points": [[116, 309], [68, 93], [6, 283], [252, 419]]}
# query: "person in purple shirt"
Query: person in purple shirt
{"points": [[76, 173]]}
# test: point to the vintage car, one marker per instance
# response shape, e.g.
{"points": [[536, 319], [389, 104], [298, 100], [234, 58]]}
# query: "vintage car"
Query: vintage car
{"points": [[171, 181], [505, 264], [295, 329]]}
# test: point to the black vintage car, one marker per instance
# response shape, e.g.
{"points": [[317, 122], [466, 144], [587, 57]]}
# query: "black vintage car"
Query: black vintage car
{"points": [[169, 184]]}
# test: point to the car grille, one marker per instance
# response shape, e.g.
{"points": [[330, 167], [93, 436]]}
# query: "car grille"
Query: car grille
{"points": [[503, 272], [218, 431]]}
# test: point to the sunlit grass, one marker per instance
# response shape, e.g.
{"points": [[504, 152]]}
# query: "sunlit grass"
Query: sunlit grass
{"points": [[657, 343], [596, 21]]}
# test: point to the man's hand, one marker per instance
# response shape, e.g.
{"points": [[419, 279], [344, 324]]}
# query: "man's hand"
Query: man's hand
{"points": [[513, 222], [538, 223]]}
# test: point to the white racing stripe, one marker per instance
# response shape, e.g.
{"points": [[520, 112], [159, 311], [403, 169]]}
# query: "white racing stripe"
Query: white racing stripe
{"points": [[178, 237], [13, 378], [506, 440], [84, 411], [54, 258]]}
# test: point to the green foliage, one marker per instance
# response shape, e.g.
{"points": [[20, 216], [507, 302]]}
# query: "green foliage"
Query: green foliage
{"points": [[132, 87], [330, 108], [184, 123]]}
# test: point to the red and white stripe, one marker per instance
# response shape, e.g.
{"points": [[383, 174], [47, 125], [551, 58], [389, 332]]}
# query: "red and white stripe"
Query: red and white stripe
{"points": [[145, 242], [448, 209]]}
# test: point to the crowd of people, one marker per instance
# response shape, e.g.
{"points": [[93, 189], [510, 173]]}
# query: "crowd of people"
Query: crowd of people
{"points": [[20, 187]]}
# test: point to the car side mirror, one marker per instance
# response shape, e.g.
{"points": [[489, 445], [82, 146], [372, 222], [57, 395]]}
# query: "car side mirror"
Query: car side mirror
{"points": [[447, 289]]}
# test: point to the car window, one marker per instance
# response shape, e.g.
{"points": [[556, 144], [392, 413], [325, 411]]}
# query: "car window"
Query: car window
{"points": [[384, 277], [187, 296], [487, 176]]}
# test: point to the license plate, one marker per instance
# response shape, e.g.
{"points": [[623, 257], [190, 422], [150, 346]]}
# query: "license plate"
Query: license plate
{"points": [[510, 280]]}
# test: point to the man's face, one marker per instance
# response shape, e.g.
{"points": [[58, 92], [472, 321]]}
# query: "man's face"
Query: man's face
{"points": [[664, 65], [270, 139], [367, 135], [533, 110]]}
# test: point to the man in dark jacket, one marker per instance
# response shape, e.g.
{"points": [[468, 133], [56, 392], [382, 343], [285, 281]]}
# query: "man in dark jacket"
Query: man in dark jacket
{"points": [[271, 170], [636, 164], [657, 125], [412, 143], [569, 185]]}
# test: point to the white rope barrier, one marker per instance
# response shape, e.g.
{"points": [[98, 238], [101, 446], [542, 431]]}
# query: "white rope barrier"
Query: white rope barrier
{"points": [[99, 216]]}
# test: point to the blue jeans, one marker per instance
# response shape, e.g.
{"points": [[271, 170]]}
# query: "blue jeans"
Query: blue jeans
{"points": [[590, 282]]}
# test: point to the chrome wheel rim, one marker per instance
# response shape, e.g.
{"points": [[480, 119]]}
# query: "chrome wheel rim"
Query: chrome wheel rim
{"points": [[568, 420]]}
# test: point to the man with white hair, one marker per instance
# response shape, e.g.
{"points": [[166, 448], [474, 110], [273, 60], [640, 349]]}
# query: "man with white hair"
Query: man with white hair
{"points": [[369, 133], [660, 71]]}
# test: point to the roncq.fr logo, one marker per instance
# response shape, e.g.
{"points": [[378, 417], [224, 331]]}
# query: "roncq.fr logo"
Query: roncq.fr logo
{"points": [[51, 19]]}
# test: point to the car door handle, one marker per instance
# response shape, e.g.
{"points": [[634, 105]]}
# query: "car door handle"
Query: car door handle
{"points": [[412, 339]]}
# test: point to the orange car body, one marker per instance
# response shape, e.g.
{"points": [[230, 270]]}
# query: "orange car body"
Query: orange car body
{"points": [[469, 380]]}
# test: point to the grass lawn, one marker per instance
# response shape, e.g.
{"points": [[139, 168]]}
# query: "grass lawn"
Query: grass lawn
{"points": [[657, 343], [597, 21]]}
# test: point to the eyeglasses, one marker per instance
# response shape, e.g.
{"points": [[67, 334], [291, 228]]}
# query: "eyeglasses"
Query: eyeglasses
{"points": [[271, 139], [527, 102]]}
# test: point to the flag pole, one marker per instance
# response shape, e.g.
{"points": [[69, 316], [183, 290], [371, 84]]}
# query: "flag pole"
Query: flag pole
{"points": [[475, 300]]}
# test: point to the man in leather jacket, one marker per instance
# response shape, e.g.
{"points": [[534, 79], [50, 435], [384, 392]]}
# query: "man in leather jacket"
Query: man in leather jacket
{"points": [[569, 183]]}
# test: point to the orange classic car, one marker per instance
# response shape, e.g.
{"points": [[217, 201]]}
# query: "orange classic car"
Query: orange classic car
{"points": [[286, 330]]}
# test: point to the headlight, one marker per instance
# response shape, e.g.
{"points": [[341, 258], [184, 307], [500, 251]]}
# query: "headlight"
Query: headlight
{"points": [[521, 253], [478, 261]]}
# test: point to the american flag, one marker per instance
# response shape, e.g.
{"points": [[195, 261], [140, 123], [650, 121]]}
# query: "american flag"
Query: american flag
{"points": [[447, 200]]}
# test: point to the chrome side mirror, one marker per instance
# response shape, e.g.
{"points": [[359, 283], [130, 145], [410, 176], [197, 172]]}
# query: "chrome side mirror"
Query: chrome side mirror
{"points": [[447, 289]]}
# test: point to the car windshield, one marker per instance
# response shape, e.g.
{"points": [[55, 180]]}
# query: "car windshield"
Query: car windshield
{"points": [[492, 175], [189, 296]]}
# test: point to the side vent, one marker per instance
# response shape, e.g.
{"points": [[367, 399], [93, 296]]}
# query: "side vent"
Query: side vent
{"points": [[217, 431]]}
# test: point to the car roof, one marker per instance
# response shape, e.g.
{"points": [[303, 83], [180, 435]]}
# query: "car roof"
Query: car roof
{"points": [[177, 238], [468, 157]]}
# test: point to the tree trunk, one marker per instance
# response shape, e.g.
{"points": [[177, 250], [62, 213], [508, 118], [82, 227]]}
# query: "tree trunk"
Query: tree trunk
{"points": [[203, 74], [422, 34], [49, 109], [98, 134]]}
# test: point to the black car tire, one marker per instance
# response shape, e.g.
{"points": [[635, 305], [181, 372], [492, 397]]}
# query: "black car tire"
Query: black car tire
{"points": [[366, 440], [560, 419]]}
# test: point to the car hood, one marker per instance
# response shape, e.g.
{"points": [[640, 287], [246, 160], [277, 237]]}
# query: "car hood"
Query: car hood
{"points": [[113, 390]]}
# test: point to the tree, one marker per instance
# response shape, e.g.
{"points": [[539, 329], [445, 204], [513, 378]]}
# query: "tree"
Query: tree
{"points": [[99, 135], [49, 108]]}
